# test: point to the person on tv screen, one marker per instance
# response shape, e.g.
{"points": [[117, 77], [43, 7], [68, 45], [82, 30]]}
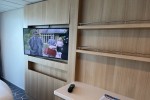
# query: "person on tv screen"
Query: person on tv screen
{"points": [[65, 48], [36, 44], [51, 50], [59, 45]]}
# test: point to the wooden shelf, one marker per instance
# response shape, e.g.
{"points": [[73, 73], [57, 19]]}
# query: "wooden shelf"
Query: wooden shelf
{"points": [[137, 58], [49, 63], [84, 91], [116, 26]]}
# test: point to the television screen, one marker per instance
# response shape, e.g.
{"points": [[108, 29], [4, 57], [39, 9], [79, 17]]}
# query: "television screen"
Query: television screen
{"points": [[46, 42]]}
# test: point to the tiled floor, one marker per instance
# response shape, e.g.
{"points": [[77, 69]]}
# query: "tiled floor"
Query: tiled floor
{"points": [[18, 93]]}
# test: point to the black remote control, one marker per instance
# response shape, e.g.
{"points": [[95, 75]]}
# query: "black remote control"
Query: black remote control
{"points": [[110, 97], [71, 87]]}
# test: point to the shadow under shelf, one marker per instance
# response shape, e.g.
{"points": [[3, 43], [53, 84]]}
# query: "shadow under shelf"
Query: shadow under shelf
{"points": [[116, 54]]}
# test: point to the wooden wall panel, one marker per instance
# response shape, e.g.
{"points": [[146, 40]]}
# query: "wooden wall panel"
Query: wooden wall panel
{"points": [[143, 42], [118, 11], [129, 41], [146, 14], [135, 9], [47, 12], [143, 82], [34, 13], [41, 87], [132, 42], [102, 11], [101, 39], [32, 84], [43, 79], [125, 77], [57, 12], [49, 71], [86, 10], [111, 12]]}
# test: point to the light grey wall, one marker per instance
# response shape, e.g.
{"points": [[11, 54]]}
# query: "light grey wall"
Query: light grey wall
{"points": [[0, 50], [12, 47]]}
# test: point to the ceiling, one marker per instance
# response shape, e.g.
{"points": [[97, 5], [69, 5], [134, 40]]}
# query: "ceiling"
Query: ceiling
{"points": [[6, 5]]}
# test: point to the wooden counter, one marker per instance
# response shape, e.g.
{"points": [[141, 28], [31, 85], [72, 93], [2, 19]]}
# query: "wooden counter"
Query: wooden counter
{"points": [[83, 91]]}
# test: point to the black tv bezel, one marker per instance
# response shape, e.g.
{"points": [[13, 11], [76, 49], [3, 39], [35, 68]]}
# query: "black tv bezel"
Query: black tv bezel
{"points": [[43, 57]]}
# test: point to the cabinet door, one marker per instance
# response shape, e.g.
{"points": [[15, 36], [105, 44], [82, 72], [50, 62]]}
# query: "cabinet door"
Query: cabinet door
{"points": [[35, 13], [57, 12], [41, 87], [32, 84]]}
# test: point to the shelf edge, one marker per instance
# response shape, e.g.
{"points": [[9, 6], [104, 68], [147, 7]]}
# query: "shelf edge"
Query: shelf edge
{"points": [[116, 26], [136, 58]]}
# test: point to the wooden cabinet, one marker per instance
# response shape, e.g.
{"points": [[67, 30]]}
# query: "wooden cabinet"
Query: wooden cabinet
{"points": [[41, 87], [35, 13], [116, 34], [43, 77], [32, 84], [57, 12], [47, 12]]}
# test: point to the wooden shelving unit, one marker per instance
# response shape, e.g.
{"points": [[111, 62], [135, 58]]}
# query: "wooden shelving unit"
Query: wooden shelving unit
{"points": [[128, 76], [137, 58], [116, 26]]}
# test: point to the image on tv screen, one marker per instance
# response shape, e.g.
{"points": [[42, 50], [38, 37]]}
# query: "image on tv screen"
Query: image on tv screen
{"points": [[49, 43]]}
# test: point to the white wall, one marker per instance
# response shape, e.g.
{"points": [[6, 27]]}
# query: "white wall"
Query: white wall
{"points": [[12, 47]]}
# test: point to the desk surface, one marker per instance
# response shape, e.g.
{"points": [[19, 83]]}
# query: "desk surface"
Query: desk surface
{"points": [[83, 91]]}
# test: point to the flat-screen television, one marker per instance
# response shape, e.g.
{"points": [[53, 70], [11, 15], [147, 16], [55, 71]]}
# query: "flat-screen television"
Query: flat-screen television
{"points": [[49, 43]]}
